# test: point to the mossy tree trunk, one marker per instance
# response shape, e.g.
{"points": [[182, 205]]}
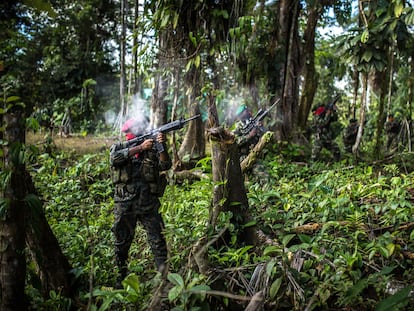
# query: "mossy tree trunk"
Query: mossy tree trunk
{"points": [[23, 223], [288, 38], [13, 216], [310, 76]]}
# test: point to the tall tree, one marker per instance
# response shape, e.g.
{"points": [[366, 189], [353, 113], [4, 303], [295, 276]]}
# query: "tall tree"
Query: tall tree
{"points": [[13, 216]]}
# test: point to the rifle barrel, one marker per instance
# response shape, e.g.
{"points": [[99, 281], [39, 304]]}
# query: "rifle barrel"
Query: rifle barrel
{"points": [[192, 118]]}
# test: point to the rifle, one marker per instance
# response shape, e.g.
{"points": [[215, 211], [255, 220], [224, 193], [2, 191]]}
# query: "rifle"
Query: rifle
{"points": [[253, 122], [331, 106], [169, 127]]}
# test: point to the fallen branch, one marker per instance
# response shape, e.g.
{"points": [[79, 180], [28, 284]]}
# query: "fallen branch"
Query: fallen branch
{"points": [[201, 249], [248, 162]]}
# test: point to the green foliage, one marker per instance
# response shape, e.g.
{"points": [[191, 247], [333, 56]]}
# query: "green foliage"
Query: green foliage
{"points": [[190, 292], [350, 259]]}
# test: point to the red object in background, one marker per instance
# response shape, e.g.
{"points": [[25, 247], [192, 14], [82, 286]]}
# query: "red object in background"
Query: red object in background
{"points": [[319, 111]]}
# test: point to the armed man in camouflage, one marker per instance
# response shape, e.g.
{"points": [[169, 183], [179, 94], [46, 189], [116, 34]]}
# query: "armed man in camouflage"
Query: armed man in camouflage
{"points": [[324, 137], [246, 141], [350, 135], [392, 128], [138, 185]]}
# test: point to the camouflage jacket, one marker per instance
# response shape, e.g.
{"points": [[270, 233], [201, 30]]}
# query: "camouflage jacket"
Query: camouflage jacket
{"points": [[138, 175], [322, 124]]}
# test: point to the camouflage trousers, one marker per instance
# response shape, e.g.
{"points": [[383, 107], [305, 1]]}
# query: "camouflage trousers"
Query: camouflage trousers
{"points": [[126, 218], [324, 142]]}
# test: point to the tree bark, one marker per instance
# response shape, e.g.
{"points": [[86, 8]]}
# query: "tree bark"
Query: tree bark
{"points": [[159, 104], [12, 220], [289, 39], [53, 267], [24, 223], [229, 194], [355, 147], [122, 74], [193, 146], [310, 76]]}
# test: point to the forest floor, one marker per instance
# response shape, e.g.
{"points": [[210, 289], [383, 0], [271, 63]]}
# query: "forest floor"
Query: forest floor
{"points": [[73, 143]]}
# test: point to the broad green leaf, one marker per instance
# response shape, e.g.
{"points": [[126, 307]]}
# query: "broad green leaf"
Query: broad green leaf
{"points": [[365, 36], [132, 281], [12, 99], [287, 238], [409, 18], [393, 301], [270, 250], [391, 248], [176, 279], [189, 64], [269, 267], [274, 288], [398, 9], [165, 20], [175, 22], [197, 61], [367, 56], [250, 224], [305, 238], [174, 293]]}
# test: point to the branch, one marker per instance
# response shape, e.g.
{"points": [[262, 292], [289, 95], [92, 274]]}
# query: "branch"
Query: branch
{"points": [[248, 162]]}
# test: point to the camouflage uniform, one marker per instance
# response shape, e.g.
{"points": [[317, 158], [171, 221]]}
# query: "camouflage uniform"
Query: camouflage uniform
{"points": [[138, 185], [324, 136], [350, 135], [392, 128], [246, 141]]}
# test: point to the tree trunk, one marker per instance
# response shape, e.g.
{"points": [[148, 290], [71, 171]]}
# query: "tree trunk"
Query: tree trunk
{"points": [[355, 147], [159, 104], [229, 194], [288, 37], [25, 224], [12, 218], [122, 74], [355, 78], [193, 146], [310, 76], [382, 89], [53, 268]]}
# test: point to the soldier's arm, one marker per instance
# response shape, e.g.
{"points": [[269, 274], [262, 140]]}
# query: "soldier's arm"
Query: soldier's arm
{"points": [[165, 161]]}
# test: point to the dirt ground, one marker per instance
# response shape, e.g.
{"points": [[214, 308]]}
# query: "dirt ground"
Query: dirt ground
{"points": [[73, 143]]}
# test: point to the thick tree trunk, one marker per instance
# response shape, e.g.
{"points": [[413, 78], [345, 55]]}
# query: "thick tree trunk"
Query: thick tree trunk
{"points": [[159, 104], [193, 146], [310, 76], [229, 194], [53, 268], [12, 218], [25, 224], [289, 39], [382, 89]]}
